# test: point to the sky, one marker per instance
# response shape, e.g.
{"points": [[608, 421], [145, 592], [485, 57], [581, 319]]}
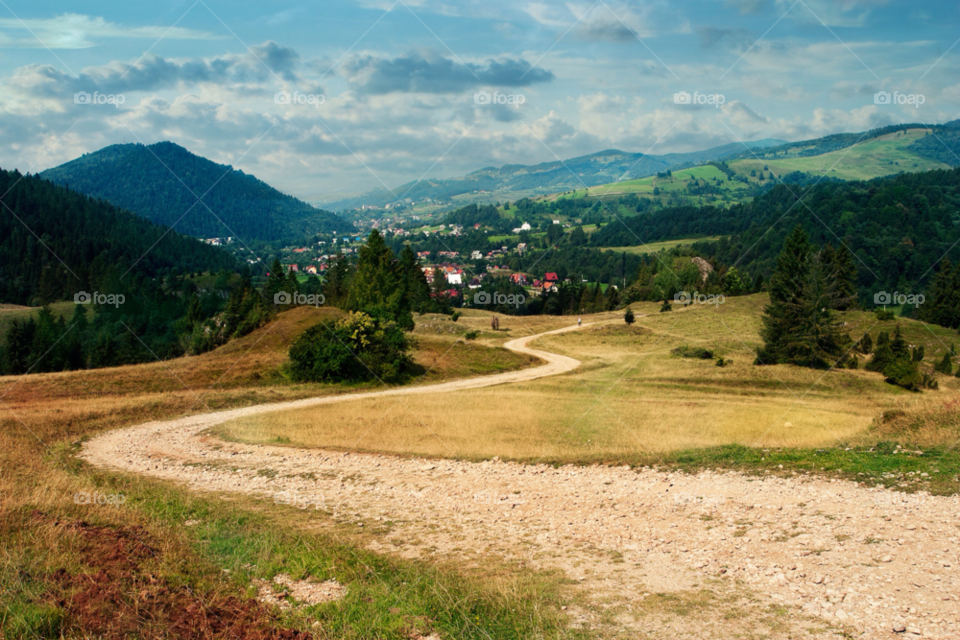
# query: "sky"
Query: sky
{"points": [[325, 100]]}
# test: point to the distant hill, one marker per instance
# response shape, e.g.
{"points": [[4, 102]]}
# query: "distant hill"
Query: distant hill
{"points": [[870, 154], [55, 242], [899, 227], [162, 182], [516, 180]]}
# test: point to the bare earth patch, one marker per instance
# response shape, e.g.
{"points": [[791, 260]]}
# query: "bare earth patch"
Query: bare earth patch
{"points": [[301, 591], [711, 555]]}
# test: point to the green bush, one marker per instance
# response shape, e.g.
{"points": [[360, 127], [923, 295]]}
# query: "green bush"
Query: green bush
{"points": [[357, 347], [884, 315], [685, 351], [471, 335], [628, 316]]}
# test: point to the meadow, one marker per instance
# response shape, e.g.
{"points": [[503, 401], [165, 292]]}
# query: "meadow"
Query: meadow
{"points": [[634, 401]]}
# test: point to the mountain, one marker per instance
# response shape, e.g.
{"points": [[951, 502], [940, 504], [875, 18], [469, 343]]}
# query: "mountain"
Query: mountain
{"points": [[162, 182], [55, 242], [516, 180]]}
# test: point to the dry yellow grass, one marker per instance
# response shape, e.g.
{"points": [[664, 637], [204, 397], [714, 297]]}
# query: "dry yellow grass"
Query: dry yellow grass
{"points": [[630, 398]]}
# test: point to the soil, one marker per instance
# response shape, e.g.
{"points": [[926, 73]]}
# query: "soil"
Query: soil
{"points": [[120, 598]]}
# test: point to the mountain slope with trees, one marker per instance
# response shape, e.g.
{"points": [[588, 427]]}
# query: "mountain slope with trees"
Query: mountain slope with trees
{"points": [[163, 182], [55, 242]]}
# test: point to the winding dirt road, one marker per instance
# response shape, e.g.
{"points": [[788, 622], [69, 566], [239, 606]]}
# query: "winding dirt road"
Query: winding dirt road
{"points": [[712, 555]]}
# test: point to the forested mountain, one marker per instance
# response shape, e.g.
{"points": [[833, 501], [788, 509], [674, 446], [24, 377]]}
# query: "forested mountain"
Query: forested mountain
{"points": [[602, 167], [55, 242], [898, 228], [163, 181]]}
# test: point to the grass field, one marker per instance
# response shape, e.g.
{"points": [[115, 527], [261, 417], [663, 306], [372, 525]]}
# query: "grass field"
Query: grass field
{"points": [[633, 401], [71, 570], [664, 245], [872, 158]]}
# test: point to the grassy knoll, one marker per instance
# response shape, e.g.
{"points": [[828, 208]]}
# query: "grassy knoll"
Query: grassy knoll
{"points": [[633, 401], [167, 562]]}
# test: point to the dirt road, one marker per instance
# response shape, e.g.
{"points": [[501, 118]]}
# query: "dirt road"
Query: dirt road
{"points": [[658, 555]]}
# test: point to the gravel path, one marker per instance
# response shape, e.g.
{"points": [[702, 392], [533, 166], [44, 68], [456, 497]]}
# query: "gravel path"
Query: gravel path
{"points": [[711, 555]]}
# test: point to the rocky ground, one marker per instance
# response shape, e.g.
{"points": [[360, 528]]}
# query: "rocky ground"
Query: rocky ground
{"points": [[656, 554]]}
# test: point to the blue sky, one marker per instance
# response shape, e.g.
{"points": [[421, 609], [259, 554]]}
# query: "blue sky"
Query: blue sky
{"points": [[382, 92]]}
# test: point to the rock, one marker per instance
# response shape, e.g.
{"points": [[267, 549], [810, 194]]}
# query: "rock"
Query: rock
{"points": [[914, 631]]}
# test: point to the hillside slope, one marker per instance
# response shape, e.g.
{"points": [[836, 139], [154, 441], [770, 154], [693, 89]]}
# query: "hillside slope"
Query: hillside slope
{"points": [[163, 181], [54, 242], [514, 180]]}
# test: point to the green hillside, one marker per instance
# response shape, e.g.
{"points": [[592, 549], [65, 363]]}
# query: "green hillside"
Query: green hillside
{"points": [[873, 158], [162, 182]]}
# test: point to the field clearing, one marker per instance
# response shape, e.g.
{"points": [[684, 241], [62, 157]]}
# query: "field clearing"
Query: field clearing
{"points": [[873, 158], [197, 573], [663, 245], [630, 399]]}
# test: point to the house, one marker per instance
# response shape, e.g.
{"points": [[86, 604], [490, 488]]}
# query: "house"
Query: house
{"points": [[293, 267], [551, 278], [474, 283], [521, 247], [476, 255], [455, 277], [519, 278], [312, 270]]}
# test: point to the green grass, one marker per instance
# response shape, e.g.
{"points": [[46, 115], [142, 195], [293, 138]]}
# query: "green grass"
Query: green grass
{"points": [[656, 247], [869, 159], [59, 309], [385, 598]]}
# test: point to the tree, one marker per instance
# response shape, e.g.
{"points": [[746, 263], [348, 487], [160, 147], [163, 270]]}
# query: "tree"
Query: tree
{"points": [[945, 366], [780, 319], [416, 289], [665, 306], [628, 316], [800, 325], [357, 347], [377, 284]]}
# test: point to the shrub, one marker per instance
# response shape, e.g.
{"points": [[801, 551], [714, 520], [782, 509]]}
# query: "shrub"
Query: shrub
{"points": [[865, 344], [357, 347], [884, 315], [723, 363], [628, 316], [665, 306], [945, 366], [685, 351], [471, 335], [455, 316]]}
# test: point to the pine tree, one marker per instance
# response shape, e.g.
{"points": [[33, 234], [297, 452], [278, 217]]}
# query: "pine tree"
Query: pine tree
{"points": [[416, 289], [376, 289], [946, 365], [780, 319], [628, 316]]}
